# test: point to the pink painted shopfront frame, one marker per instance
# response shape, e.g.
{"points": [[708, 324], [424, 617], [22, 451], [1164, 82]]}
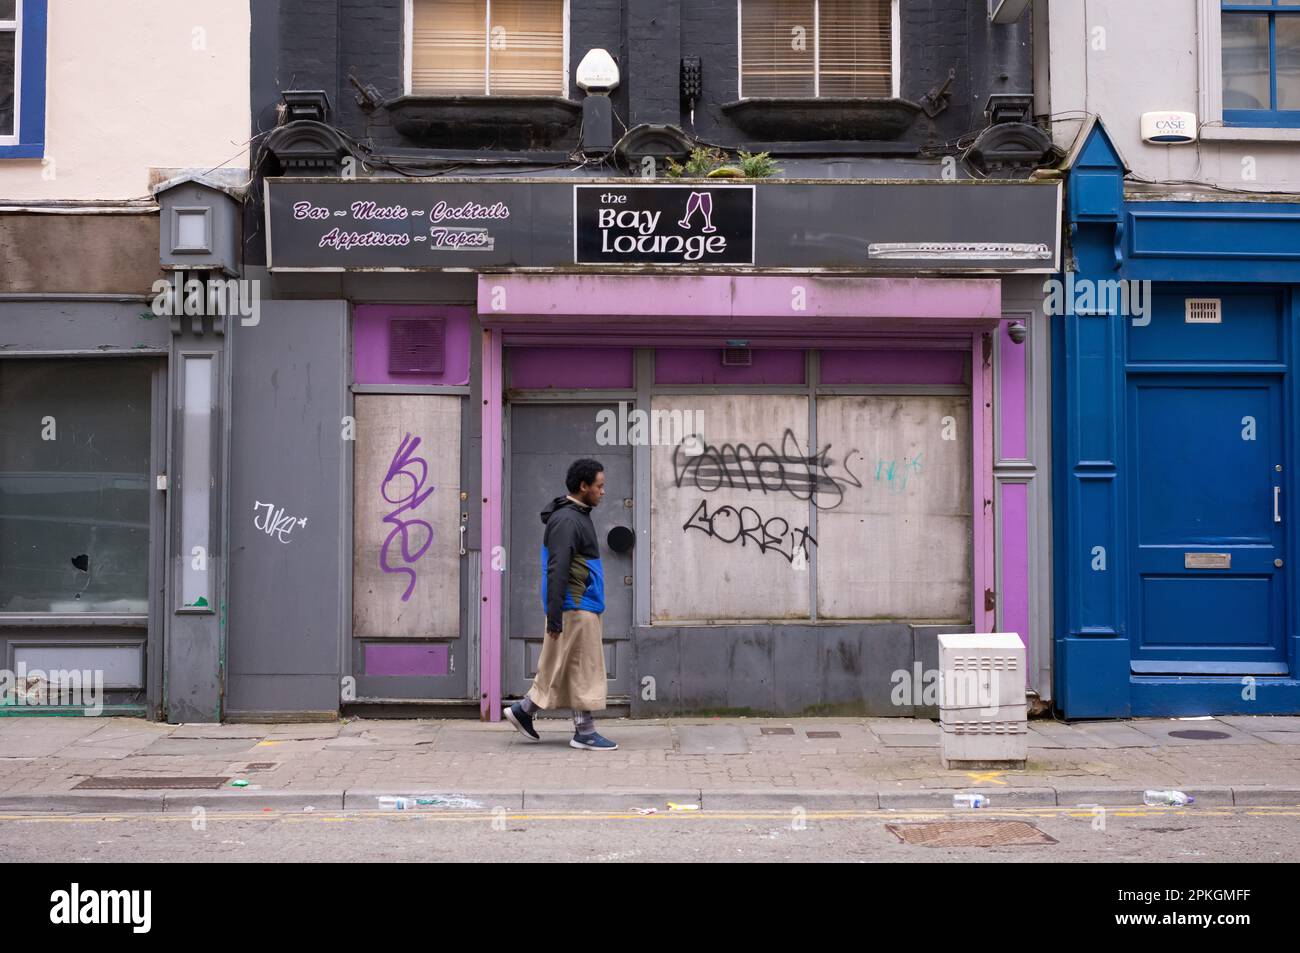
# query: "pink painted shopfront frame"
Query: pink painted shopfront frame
{"points": [[786, 311]]}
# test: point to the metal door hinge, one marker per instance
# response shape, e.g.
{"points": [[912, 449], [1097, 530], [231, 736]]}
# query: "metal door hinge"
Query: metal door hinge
{"points": [[990, 600]]}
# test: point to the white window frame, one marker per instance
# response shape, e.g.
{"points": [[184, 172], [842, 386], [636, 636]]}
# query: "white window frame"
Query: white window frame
{"points": [[15, 26], [1209, 25], [408, 43], [895, 52]]}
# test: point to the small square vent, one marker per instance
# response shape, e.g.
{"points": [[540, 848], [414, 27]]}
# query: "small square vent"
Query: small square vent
{"points": [[415, 345], [1204, 310], [737, 357]]}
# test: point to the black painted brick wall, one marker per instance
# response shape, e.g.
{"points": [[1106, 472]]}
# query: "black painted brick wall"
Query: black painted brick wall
{"points": [[322, 42]]}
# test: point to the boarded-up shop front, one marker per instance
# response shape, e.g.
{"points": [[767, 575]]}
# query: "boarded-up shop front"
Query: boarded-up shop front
{"points": [[806, 494]]}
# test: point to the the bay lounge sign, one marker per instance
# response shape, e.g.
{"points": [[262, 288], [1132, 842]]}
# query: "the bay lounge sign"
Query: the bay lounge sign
{"points": [[616, 225]]}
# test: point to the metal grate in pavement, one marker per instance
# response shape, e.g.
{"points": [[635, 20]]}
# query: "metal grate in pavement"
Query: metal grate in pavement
{"points": [[1199, 734], [140, 782], [970, 834], [823, 734]]}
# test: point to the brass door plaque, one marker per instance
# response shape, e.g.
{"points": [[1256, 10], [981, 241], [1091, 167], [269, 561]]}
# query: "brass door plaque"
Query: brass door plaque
{"points": [[1207, 560]]}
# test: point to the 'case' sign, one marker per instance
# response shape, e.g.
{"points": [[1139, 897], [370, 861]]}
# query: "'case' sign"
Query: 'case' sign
{"points": [[663, 224]]}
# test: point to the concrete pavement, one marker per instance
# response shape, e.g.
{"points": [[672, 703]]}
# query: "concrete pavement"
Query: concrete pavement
{"points": [[118, 765]]}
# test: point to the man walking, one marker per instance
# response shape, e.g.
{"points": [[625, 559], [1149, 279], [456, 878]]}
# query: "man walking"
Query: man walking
{"points": [[571, 670]]}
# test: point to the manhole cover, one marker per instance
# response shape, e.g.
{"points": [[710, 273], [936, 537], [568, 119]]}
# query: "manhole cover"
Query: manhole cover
{"points": [[777, 731], [823, 734], [136, 782], [970, 834], [1199, 734]]}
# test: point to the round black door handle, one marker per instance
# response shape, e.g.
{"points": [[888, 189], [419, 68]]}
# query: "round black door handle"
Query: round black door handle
{"points": [[621, 539]]}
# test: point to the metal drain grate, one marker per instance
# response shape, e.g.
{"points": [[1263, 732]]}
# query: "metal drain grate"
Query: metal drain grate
{"points": [[777, 731], [1199, 734], [136, 782], [823, 734], [970, 834], [261, 765]]}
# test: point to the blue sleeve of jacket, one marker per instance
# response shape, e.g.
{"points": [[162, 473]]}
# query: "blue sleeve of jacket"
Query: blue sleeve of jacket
{"points": [[561, 543]]}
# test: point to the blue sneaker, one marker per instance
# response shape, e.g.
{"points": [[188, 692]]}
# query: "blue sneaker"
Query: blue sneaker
{"points": [[592, 742], [523, 721]]}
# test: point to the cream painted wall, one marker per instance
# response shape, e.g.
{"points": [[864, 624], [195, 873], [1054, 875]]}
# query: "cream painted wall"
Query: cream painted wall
{"points": [[1121, 58], [134, 85]]}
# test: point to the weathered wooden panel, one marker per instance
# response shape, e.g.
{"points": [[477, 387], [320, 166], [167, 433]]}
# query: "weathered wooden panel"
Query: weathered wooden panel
{"points": [[728, 520], [899, 545], [406, 516], [80, 254]]}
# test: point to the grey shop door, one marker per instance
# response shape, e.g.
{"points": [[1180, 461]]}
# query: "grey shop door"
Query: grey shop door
{"points": [[288, 510], [544, 440]]}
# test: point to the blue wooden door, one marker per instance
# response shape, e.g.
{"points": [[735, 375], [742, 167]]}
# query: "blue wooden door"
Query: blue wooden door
{"points": [[1207, 591]]}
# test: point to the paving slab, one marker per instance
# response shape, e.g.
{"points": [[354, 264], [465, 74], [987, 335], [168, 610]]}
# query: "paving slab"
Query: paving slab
{"points": [[40, 737], [211, 747], [711, 739], [219, 731], [1115, 734], [1167, 730], [909, 740], [1257, 723]]}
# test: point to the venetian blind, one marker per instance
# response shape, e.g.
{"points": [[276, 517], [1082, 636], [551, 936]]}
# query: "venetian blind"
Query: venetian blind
{"points": [[856, 52], [777, 43], [455, 50], [804, 48]]}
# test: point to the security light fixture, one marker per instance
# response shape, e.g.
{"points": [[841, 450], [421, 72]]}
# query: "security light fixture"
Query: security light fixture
{"points": [[597, 73]]}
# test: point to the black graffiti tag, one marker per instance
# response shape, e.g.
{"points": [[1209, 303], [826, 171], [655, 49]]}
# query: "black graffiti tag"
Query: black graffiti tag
{"points": [[762, 469], [746, 525]]}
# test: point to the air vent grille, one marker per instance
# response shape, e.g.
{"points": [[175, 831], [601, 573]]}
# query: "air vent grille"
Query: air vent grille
{"points": [[737, 357], [1204, 310], [415, 345]]}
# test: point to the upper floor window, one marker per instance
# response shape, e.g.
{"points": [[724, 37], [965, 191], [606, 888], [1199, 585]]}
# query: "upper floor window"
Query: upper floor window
{"points": [[1261, 62], [22, 78], [9, 47], [486, 47], [811, 48]]}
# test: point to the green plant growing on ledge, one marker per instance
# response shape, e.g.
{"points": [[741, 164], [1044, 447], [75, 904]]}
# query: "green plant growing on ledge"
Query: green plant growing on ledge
{"points": [[758, 165], [714, 163]]}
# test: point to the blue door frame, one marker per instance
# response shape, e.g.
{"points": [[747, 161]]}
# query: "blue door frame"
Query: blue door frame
{"points": [[1121, 549]]}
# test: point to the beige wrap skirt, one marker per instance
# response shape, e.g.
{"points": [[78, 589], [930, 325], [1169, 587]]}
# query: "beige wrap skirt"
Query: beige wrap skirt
{"points": [[571, 670]]}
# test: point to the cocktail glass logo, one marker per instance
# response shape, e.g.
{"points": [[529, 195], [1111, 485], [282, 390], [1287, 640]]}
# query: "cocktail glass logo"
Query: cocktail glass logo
{"points": [[703, 203], [61, 688]]}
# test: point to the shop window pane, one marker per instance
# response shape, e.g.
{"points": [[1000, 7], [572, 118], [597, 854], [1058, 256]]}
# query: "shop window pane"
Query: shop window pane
{"points": [[74, 486], [1245, 61], [726, 522], [898, 546], [196, 484], [406, 517]]}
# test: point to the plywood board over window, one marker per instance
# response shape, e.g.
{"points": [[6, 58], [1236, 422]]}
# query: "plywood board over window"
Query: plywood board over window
{"points": [[728, 513], [406, 516], [898, 546]]}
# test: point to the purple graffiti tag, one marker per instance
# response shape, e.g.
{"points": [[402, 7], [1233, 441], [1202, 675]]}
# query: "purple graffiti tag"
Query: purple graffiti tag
{"points": [[405, 466]]}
